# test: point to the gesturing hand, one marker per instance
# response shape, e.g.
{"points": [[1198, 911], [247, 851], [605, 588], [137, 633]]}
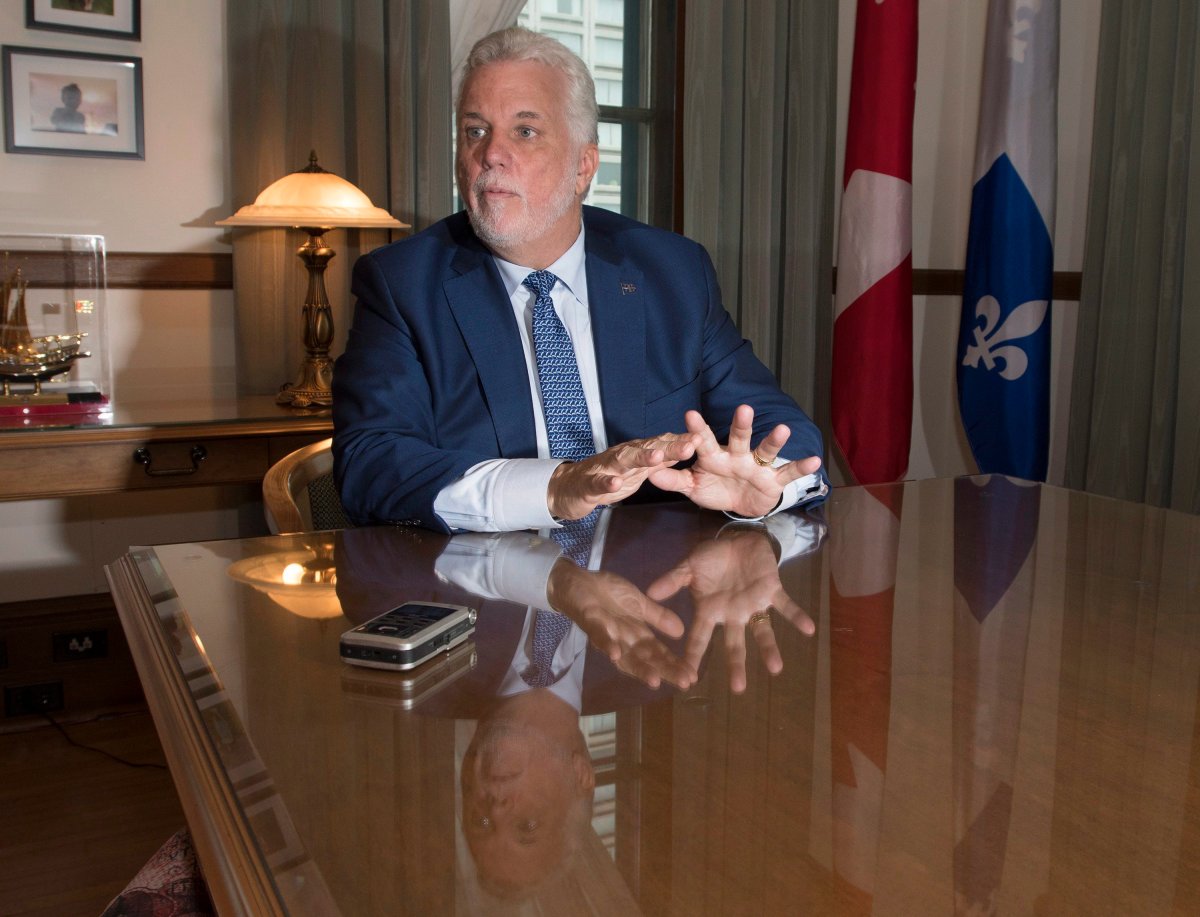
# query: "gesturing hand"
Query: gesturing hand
{"points": [[576, 488], [732, 477], [734, 582], [617, 618]]}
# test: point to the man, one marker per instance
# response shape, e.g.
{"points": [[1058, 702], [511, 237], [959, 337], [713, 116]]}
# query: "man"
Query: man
{"points": [[497, 343]]}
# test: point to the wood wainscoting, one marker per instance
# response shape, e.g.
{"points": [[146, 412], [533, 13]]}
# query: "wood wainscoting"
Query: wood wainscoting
{"points": [[214, 271], [137, 270]]}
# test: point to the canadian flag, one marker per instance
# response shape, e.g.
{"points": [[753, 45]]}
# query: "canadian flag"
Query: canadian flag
{"points": [[872, 387]]}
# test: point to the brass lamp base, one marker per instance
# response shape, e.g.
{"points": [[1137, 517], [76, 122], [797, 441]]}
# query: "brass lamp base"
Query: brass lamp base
{"points": [[312, 385]]}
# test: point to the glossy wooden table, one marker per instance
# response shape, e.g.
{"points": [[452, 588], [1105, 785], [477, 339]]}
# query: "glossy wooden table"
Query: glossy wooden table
{"points": [[996, 709], [176, 444]]}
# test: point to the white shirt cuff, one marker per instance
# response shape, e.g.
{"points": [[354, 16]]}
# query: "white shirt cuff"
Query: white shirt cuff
{"points": [[499, 495]]}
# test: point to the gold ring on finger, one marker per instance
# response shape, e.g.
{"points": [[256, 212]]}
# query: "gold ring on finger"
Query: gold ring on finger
{"points": [[760, 617], [759, 460]]}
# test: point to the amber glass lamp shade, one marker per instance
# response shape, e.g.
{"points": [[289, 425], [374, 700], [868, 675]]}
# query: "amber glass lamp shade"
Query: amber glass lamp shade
{"points": [[313, 200]]}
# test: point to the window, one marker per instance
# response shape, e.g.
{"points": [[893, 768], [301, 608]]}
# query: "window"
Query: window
{"points": [[609, 52], [610, 12], [629, 45], [609, 91], [572, 40]]}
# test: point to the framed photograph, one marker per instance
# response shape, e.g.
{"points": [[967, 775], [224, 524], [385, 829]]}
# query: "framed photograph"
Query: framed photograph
{"points": [[111, 18], [69, 103]]}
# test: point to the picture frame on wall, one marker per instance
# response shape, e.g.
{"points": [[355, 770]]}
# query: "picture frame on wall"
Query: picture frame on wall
{"points": [[72, 103], [110, 18]]}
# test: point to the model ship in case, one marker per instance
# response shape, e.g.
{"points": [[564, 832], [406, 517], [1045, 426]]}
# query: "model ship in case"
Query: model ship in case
{"points": [[23, 357]]}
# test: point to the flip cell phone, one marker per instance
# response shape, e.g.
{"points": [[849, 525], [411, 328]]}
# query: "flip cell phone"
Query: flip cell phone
{"points": [[406, 636]]}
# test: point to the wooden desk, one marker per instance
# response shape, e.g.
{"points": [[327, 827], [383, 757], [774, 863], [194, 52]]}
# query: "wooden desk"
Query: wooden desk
{"points": [[239, 439], [996, 707]]}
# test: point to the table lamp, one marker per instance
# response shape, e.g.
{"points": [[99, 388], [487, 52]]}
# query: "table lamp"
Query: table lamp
{"points": [[314, 200]]}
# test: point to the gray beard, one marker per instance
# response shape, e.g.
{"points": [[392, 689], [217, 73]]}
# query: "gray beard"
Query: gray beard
{"points": [[529, 226]]}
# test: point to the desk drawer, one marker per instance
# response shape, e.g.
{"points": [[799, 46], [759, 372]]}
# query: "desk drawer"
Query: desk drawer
{"points": [[47, 471]]}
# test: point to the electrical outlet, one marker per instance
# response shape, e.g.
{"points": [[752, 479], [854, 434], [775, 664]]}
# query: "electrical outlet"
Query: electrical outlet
{"points": [[22, 700], [80, 644]]}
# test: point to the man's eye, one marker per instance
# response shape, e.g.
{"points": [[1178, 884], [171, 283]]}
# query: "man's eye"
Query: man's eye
{"points": [[526, 132], [474, 133], [528, 826]]}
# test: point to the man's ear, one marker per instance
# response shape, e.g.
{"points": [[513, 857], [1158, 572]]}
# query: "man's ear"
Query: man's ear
{"points": [[585, 774], [589, 162]]}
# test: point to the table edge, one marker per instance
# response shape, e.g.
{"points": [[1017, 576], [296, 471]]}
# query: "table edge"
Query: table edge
{"points": [[238, 881]]}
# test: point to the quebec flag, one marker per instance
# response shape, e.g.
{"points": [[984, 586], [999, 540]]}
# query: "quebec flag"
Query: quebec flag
{"points": [[1004, 334]]}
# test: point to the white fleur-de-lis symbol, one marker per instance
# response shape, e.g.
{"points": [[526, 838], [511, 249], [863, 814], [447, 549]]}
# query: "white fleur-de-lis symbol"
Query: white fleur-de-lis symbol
{"points": [[1023, 321]]}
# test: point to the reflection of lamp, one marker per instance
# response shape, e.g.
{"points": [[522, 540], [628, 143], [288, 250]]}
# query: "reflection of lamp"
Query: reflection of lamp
{"points": [[313, 200], [302, 581]]}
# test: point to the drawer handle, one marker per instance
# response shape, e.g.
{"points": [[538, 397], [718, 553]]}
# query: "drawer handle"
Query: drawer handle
{"points": [[142, 457]]}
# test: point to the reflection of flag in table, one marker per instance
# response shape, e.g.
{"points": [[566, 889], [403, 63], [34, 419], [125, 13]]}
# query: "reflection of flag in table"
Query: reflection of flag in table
{"points": [[1004, 334], [995, 528], [864, 537], [872, 387]]}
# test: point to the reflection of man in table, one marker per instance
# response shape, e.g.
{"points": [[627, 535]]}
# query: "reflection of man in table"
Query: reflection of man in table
{"points": [[527, 786], [68, 117], [527, 779]]}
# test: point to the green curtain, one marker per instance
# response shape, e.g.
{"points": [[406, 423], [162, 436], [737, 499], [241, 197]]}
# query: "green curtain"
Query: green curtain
{"points": [[759, 109], [1134, 430], [364, 83]]}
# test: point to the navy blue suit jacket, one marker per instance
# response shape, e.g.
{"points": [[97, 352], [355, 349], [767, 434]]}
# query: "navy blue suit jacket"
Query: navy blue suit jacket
{"points": [[433, 379]]}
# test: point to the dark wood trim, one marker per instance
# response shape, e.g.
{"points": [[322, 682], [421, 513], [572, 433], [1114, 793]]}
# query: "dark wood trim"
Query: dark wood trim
{"points": [[56, 606], [171, 271], [680, 65], [666, 69], [937, 282], [214, 271], [136, 270], [624, 113]]}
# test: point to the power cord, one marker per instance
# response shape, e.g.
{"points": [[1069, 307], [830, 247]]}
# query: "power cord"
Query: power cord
{"points": [[100, 751]]}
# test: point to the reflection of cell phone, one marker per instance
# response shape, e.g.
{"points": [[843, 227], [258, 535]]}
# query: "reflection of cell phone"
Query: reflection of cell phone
{"points": [[407, 635], [408, 689]]}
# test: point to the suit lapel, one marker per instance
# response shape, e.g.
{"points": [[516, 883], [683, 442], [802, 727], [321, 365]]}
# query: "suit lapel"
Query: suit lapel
{"points": [[619, 331], [484, 315]]}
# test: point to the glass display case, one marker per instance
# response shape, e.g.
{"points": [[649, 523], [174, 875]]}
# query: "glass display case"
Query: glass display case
{"points": [[53, 355]]}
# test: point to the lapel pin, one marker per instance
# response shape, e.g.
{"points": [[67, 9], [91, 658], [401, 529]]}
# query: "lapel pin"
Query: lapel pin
{"points": [[627, 288]]}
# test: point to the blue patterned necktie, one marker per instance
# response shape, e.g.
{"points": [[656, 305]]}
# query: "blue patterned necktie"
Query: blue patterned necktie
{"points": [[549, 628], [569, 432], [568, 426]]}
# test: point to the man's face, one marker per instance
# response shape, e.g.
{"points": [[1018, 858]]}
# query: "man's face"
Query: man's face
{"points": [[518, 791], [520, 172]]}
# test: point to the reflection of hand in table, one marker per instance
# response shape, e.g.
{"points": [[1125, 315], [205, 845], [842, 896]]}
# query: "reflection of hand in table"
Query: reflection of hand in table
{"points": [[734, 582], [621, 621]]}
